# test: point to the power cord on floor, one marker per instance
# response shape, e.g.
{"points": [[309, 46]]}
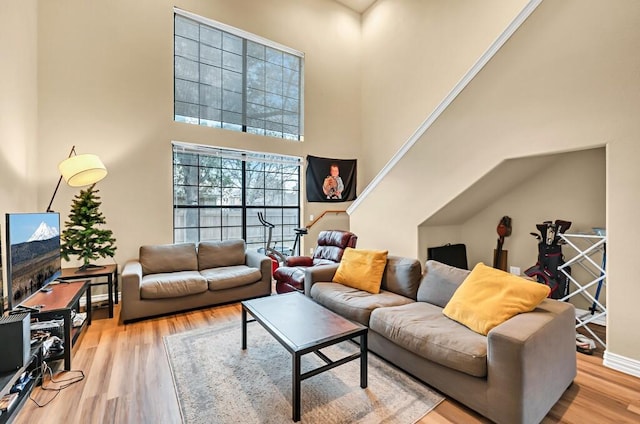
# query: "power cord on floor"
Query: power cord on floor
{"points": [[67, 382]]}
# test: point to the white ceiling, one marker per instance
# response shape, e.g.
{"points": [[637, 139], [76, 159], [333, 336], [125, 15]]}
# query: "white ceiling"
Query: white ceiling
{"points": [[357, 5]]}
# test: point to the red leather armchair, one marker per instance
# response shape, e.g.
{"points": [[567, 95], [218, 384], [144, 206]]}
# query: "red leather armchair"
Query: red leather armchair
{"points": [[331, 245]]}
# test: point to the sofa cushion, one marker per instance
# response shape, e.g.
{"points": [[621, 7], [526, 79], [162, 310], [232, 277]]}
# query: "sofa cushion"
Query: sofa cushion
{"points": [[214, 254], [173, 284], [421, 328], [230, 276], [402, 276], [168, 258], [351, 303], [439, 283], [488, 297], [362, 269]]}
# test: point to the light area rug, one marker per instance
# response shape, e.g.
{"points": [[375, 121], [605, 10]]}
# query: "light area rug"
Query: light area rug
{"points": [[217, 382]]}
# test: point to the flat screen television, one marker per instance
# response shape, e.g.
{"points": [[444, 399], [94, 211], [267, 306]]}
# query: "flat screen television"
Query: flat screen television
{"points": [[33, 253]]}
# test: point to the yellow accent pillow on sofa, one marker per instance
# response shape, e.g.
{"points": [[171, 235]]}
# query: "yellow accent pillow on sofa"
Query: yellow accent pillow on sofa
{"points": [[361, 269], [488, 297]]}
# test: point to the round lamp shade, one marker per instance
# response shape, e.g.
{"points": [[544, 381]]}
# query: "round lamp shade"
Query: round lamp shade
{"points": [[82, 170]]}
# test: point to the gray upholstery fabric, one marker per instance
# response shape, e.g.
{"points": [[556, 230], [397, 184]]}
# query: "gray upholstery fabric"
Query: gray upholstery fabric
{"points": [[422, 329], [532, 360], [439, 283], [168, 258], [352, 303], [173, 284], [214, 254], [230, 276], [134, 307], [318, 274], [402, 276]]}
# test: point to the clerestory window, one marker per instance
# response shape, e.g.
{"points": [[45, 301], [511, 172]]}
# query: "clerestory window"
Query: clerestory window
{"points": [[228, 78]]}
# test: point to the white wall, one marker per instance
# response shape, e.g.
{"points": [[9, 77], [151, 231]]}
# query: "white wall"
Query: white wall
{"points": [[413, 54], [106, 85], [18, 109], [567, 80]]}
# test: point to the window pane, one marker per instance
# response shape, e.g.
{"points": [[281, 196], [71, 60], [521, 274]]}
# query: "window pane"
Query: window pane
{"points": [[231, 43], [210, 217], [186, 28], [223, 80], [186, 48], [186, 91], [211, 75], [211, 36], [187, 69]]}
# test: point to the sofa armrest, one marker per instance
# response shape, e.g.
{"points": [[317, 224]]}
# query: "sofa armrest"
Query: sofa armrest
{"points": [[316, 274], [531, 361], [299, 261], [255, 259], [131, 277]]}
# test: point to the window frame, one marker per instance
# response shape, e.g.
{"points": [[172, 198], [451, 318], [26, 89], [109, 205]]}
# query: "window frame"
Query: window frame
{"points": [[283, 233], [246, 36]]}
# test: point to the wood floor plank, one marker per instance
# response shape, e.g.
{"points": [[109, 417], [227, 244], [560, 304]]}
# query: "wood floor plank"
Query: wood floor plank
{"points": [[128, 380]]}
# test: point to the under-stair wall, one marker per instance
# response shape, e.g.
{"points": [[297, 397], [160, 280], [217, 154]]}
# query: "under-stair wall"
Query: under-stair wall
{"points": [[567, 80]]}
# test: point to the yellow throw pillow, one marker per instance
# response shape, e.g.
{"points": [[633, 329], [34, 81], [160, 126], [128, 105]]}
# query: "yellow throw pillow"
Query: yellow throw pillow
{"points": [[488, 297], [361, 269]]}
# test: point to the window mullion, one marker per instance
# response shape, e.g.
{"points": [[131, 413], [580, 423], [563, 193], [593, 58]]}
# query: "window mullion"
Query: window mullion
{"points": [[244, 85]]}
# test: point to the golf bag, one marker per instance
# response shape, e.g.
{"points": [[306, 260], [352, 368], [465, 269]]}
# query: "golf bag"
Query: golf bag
{"points": [[550, 258]]}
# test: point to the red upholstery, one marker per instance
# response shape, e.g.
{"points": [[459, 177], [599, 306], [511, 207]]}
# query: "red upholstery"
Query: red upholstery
{"points": [[331, 245]]}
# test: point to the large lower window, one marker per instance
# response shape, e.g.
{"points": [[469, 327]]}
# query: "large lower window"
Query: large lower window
{"points": [[228, 78], [217, 194]]}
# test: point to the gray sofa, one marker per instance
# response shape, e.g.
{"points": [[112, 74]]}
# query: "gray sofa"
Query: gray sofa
{"points": [[515, 374], [176, 277]]}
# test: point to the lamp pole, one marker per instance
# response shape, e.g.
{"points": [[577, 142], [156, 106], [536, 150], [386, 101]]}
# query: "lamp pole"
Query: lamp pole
{"points": [[73, 150]]}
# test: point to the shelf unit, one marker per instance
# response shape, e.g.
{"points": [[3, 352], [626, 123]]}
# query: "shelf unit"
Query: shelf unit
{"points": [[8, 379], [586, 246]]}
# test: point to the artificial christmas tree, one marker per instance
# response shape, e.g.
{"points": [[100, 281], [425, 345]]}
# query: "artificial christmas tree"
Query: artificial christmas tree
{"points": [[81, 237]]}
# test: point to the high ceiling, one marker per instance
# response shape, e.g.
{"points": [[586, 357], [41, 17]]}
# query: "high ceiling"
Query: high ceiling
{"points": [[357, 5]]}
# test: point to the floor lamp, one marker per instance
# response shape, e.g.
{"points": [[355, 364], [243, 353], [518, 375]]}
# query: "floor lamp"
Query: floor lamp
{"points": [[79, 170]]}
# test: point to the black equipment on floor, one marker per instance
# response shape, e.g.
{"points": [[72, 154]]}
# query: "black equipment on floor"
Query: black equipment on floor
{"points": [[550, 257], [449, 254]]}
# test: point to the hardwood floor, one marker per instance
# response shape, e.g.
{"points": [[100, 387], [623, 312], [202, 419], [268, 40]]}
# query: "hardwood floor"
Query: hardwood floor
{"points": [[128, 380]]}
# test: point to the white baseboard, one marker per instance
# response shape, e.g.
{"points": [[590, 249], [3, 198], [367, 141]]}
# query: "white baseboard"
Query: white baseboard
{"points": [[621, 363], [104, 297]]}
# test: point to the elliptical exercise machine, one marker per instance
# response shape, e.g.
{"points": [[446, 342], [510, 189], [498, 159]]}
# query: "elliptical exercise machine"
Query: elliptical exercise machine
{"points": [[279, 256]]}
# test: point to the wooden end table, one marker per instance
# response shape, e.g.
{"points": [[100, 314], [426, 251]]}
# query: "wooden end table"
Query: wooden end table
{"points": [[60, 301], [321, 328], [108, 271]]}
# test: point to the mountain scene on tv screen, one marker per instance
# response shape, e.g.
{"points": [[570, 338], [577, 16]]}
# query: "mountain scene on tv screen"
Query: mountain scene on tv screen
{"points": [[34, 261]]}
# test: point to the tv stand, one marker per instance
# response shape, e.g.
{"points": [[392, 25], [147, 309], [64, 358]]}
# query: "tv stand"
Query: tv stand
{"points": [[9, 379], [59, 302]]}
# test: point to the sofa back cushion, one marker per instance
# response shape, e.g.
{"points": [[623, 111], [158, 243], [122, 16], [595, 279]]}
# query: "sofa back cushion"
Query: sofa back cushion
{"points": [[439, 283], [214, 254], [165, 258], [402, 276]]}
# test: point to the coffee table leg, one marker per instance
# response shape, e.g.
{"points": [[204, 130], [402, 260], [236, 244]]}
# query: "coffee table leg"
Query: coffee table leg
{"points": [[295, 390], [363, 361], [244, 328]]}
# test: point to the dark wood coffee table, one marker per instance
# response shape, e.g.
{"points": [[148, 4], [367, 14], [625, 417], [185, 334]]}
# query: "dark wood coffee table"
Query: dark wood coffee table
{"points": [[303, 326]]}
